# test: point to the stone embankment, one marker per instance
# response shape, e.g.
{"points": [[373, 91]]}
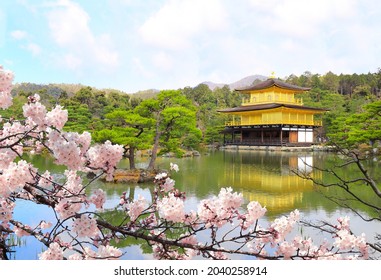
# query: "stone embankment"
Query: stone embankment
{"points": [[133, 176]]}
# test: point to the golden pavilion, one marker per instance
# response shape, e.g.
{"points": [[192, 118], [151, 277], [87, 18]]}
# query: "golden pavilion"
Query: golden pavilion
{"points": [[272, 115]]}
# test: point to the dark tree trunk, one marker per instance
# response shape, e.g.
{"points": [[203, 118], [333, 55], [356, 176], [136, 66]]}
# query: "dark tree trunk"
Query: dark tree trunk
{"points": [[131, 157], [151, 165]]}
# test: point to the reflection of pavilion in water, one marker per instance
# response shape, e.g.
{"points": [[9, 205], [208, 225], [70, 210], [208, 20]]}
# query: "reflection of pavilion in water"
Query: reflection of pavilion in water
{"points": [[270, 178]]}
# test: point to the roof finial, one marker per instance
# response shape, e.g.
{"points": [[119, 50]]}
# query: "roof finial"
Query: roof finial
{"points": [[272, 76]]}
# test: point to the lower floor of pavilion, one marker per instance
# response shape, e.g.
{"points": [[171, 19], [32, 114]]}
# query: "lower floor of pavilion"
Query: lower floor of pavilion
{"points": [[271, 135]]}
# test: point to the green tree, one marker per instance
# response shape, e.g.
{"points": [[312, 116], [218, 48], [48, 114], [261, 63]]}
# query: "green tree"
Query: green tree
{"points": [[15, 110], [128, 129], [355, 129], [173, 116], [330, 81], [118, 100], [79, 116], [227, 98], [84, 96], [200, 94]]}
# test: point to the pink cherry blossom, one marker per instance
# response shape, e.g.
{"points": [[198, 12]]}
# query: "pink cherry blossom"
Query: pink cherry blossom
{"points": [[11, 133], [45, 179], [106, 157], [104, 252], [347, 241], [344, 222], [188, 239], [283, 225], [84, 141], [161, 176], [14, 177], [306, 246], [75, 257], [54, 252], [73, 184], [174, 166], [219, 255], [20, 232], [229, 199], [257, 246], [219, 210], [68, 207], [57, 117], [98, 198], [6, 78], [191, 218], [362, 245], [171, 208], [159, 252], [344, 240], [85, 226], [168, 184], [135, 208], [6, 210], [36, 112], [254, 212], [45, 225], [6, 156], [286, 249], [65, 149]]}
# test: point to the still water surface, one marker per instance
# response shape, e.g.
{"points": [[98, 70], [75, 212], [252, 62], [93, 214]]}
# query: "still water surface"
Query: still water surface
{"points": [[267, 177]]}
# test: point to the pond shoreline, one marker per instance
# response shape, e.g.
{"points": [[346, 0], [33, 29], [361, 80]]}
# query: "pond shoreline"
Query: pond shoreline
{"points": [[313, 148]]}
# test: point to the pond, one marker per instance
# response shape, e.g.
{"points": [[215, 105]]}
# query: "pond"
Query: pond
{"points": [[264, 176]]}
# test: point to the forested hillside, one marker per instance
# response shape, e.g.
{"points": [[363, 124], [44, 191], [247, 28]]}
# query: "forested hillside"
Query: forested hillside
{"points": [[354, 119], [184, 119]]}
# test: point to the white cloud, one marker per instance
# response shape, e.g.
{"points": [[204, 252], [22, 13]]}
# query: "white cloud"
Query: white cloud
{"points": [[178, 23], [33, 48], [69, 26], [163, 61], [2, 27], [8, 62], [177, 37], [18, 34], [165, 71], [176, 43], [71, 61], [30, 7], [140, 68], [193, 41], [324, 35], [299, 18]]}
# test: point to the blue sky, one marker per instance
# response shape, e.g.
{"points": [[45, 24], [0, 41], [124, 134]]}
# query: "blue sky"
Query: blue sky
{"points": [[135, 45]]}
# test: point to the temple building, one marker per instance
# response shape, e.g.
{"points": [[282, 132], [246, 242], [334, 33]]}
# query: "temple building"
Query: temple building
{"points": [[272, 115]]}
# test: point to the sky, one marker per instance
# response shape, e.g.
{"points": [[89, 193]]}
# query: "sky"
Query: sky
{"points": [[133, 45]]}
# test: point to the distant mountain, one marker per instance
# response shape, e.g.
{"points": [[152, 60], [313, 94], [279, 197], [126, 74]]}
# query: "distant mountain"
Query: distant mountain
{"points": [[245, 82], [50, 89], [146, 94], [56, 89], [213, 86]]}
